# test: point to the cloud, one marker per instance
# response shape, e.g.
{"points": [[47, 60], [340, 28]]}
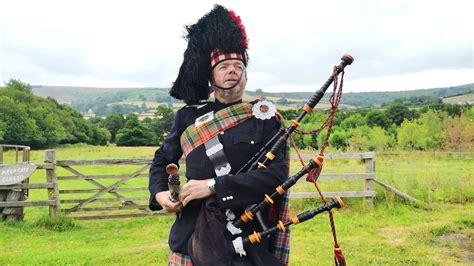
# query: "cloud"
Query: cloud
{"points": [[109, 43]]}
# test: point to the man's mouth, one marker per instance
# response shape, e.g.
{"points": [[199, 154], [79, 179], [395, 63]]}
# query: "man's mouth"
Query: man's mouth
{"points": [[232, 79]]}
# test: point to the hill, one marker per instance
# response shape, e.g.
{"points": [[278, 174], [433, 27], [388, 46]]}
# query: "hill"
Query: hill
{"points": [[377, 99], [88, 98], [460, 99]]}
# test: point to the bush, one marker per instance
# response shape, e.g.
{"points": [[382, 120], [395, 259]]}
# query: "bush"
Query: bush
{"points": [[458, 134]]}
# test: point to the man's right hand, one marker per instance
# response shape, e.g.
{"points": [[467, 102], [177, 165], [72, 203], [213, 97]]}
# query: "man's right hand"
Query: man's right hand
{"points": [[163, 198]]}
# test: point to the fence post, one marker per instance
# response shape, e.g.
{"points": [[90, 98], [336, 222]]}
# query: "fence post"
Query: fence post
{"points": [[51, 176], [369, 183]]}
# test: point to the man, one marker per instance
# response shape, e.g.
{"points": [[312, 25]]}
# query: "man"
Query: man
{"points": [[218, 138]]}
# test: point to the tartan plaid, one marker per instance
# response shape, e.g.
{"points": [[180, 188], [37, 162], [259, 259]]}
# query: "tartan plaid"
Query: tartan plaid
{"points": [[226, 118], [178, 259], [281, 244]]}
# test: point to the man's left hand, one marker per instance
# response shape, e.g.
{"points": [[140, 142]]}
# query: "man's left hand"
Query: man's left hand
{"points": [[194, 189]]}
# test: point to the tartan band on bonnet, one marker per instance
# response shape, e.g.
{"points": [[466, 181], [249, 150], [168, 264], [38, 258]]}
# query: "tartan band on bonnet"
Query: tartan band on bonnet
{"points": [[217, 56]]}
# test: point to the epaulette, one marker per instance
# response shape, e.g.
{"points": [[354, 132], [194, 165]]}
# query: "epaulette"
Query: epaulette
{"points": [[197, 106]]}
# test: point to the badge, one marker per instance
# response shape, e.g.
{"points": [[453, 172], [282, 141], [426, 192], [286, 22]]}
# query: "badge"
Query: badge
{"points": [[204, 119], [264, 110]]}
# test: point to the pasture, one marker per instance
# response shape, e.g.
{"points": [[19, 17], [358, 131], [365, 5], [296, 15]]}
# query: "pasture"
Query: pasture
{"points": [[440, 232]]}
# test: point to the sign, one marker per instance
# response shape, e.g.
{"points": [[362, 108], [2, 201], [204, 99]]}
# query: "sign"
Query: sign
{"points": [[15, 173]]}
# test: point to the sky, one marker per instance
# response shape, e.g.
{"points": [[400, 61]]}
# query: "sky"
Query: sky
{"points": [[293, 45]]}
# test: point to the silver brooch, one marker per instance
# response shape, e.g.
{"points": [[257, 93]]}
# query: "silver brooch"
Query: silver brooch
{"points": [[204, 119], [264, 110]]}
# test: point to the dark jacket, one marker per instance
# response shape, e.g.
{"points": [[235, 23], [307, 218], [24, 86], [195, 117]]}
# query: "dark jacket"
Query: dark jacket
{"points": [[233, 192]]}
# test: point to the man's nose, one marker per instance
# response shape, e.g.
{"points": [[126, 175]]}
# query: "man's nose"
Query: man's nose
{"points": [[232, 69]]}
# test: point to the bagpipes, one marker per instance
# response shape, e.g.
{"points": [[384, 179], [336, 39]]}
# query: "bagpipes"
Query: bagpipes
{"points": [[215, 249], [267, 153]]}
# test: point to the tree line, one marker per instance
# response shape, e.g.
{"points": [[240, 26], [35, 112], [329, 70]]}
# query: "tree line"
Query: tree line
{"points": [[395, 127], [39, 122], [26, 119]]}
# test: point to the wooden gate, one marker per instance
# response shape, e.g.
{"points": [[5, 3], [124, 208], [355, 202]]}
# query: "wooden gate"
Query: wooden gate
{"points": [[115, 194]]}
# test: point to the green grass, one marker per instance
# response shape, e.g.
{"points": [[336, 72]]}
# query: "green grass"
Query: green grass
{"points": [[391, 233]]}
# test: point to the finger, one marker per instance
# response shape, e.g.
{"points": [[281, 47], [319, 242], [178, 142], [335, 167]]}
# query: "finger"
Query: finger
{"points": [[184, 194], [187, 199], [187, 185]]}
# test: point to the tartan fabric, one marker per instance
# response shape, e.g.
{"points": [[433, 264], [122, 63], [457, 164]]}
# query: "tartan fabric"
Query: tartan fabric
{"points": [[226, 118], [218, 56], [281, 245], [178, 259]]}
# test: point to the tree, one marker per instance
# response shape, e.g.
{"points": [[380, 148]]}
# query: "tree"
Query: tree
{"points": [[14, 84], [338, 140], [134, 133], [421, 134], [353, 121], [359, 140], [114, 122], [377, 118], [379, 139], [451, 109], [163, 120], [18, 127], [3, 125], [398, 112], [100, 136]]}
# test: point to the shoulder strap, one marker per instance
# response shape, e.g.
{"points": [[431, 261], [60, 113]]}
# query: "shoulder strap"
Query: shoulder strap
{"points": [[211, 124]]}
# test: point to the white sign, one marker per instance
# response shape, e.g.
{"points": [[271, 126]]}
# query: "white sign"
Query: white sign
{"points": [[15, 173]]}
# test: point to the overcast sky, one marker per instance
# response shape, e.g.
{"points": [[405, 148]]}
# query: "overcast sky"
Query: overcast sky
{"points": [[397, 45]]}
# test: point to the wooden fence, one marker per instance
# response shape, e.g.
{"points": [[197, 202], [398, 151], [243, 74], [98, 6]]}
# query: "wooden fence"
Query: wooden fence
{"points": [[24, 187], [368, 193], [108, 198]]}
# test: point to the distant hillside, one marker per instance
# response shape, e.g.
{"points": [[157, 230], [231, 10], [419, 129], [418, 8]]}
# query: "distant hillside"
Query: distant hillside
{"points": [[68, 94], [460, 99], [377, 99], [86, 98]]}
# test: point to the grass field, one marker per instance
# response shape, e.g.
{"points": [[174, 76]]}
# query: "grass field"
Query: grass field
{"points": [[438, 233]]}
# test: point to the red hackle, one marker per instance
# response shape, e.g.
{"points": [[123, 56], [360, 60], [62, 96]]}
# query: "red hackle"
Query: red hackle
{"points": [[238, 21]]}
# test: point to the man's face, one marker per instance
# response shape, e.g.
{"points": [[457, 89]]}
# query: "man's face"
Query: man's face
{"points": [[227, 73]]}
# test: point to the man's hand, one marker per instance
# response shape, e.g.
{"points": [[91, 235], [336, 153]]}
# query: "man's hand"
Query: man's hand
{"points": [[194, 189], [163, 198]]}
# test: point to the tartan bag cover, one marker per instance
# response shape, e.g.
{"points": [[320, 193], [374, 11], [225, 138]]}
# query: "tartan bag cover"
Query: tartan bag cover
{"points": [[194, 136]]}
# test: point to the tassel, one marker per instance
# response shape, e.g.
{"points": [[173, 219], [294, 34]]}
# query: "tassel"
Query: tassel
{"points": [[339, 259], [313, 175]]}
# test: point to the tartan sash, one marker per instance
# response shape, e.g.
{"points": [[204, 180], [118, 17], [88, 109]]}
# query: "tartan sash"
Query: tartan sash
{"points": [[194, 136]]}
